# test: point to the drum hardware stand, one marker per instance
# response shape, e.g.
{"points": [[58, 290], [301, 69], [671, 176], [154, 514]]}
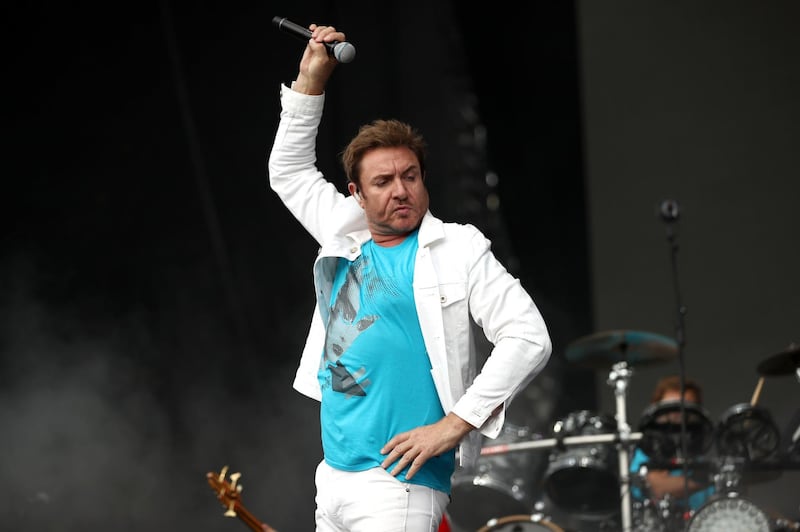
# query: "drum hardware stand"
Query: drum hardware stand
{"points": [[550, 443], [618, 377], [728, 475]]}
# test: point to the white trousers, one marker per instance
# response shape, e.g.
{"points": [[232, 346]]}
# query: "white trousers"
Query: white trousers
{"points": [[374, 501]]}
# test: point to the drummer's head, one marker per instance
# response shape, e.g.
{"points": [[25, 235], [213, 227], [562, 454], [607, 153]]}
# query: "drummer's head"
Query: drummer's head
{"points": [[669, 389]]}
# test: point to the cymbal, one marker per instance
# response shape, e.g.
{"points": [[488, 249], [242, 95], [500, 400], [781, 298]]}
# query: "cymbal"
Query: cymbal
{"points": [[637, 348], [784, 363]]}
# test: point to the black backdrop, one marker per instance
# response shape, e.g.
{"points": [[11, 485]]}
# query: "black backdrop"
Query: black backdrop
{"points": [[155, 294]]}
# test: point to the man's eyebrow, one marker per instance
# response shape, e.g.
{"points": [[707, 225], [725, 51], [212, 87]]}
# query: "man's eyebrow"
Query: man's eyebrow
{"points": [[409, 168]]}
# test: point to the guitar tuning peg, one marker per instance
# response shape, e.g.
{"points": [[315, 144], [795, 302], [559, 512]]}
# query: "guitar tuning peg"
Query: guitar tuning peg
{"points": [[230, 511], [222, 473], [234, 478]]}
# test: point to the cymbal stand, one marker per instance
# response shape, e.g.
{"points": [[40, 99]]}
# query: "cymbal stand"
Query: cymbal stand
{"points": [[618, 377]]}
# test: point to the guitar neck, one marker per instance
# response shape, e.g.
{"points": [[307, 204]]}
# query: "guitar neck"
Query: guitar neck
{"points": [[250, 520]]}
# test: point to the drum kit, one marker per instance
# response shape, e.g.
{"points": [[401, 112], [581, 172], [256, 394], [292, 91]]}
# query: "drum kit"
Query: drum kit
{"points": [[587, 483]]}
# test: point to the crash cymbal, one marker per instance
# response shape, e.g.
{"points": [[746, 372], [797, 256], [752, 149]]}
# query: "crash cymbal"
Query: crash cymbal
{"points": [[784, 363], [637, 348]]}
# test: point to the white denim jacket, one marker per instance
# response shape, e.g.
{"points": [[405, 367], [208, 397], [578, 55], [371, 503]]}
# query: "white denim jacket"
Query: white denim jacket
{"points": [[456, 278]]}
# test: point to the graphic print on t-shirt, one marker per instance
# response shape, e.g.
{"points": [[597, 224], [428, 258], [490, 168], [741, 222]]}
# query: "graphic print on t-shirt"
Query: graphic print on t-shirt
{"points": [[344, 328]]}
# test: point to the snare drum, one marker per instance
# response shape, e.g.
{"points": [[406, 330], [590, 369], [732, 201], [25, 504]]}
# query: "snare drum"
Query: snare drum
{"points": [[747, 432], [520, 523], [729, 513], [583, 479]]}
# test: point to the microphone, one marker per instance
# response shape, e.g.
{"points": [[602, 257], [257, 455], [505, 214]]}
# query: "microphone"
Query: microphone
{"points": [[344, 52], [669, 210]]}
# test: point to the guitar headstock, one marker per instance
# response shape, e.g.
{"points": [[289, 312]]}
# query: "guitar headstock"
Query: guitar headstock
{"points": [[228, 491]]}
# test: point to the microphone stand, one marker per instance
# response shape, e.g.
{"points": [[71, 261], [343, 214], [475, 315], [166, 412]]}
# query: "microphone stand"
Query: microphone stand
{"points": [[669, 214]]}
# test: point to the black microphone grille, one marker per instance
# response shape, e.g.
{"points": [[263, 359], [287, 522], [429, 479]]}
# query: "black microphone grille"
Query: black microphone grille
{"points": [[669, 210]]}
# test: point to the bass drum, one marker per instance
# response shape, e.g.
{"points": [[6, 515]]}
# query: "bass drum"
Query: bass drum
{"points": [[500, 484], [520, 523], [583, 480], [729, 513]]}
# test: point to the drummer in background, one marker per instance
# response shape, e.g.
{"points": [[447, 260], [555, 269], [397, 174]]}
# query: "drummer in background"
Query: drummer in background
{"points": [[670, 483]]}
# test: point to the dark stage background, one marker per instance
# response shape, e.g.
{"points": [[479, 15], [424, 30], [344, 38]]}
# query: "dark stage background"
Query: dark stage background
{"points": [[155, 294]]}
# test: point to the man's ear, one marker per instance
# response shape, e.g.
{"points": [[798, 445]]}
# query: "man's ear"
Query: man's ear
{"points": [[353, 188]]}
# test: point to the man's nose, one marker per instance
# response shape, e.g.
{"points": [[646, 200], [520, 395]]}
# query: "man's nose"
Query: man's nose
{"points": [[399, 188]]}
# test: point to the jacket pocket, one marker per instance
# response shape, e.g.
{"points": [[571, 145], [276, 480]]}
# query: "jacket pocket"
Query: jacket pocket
{"points": [[451, 293]]}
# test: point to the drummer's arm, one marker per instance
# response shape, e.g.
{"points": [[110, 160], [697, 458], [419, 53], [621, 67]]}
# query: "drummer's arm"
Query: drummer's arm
{"points": [[661, 483]]}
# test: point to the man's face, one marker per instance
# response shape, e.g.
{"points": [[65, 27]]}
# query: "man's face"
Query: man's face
{"points": [[392, 193]]}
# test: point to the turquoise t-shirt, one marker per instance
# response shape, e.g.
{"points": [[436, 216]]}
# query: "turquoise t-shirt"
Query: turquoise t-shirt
{"points": [[375, 372]]}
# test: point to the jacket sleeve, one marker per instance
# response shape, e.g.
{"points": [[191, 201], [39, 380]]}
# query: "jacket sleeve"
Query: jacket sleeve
{"points": [[512, 323], [293, 174]]}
